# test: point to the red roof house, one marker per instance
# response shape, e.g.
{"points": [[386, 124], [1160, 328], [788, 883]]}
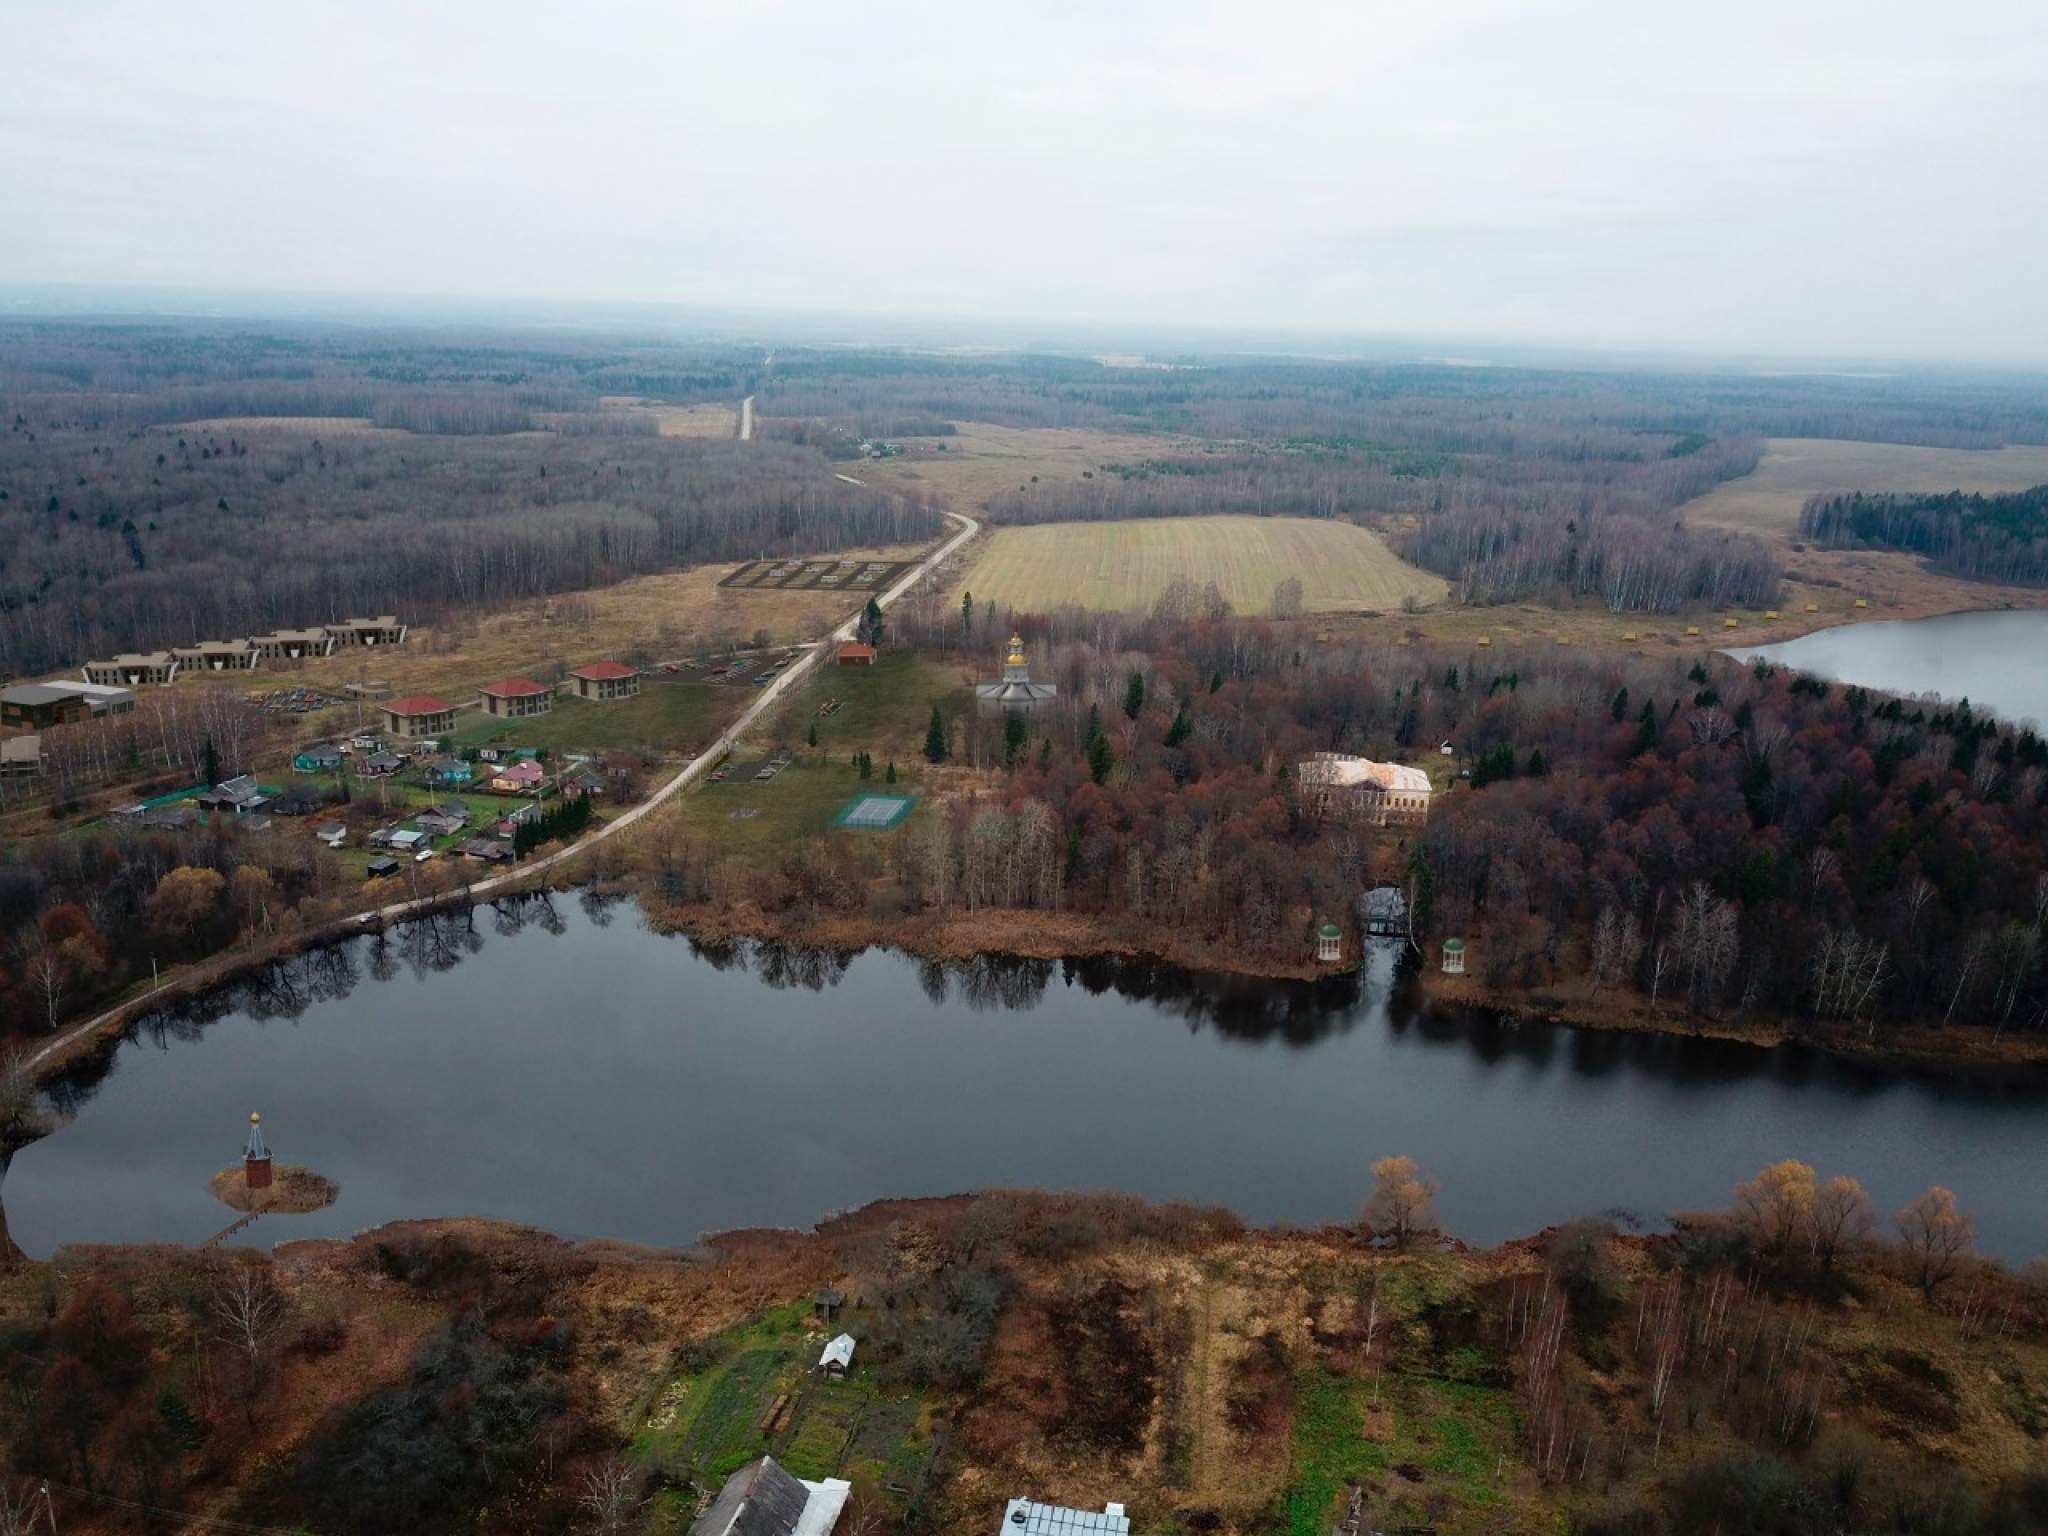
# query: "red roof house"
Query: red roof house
{"points": [[606, 680], [514, 698], [419, 714], [854, 654]]}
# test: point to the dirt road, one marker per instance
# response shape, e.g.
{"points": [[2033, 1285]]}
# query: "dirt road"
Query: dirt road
{"points": [[699, 765]]}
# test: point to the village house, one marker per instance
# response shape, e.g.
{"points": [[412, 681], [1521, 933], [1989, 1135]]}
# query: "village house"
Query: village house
{"points": [[855, 654], [216, 656], [379, 765], [1339, 787], [837, 1359], [133, 669], [293, 644], [446, 772], [321, 757], [524, 777], [64, 703], [514, 698], [382, 630], [1028, 1517], [605, 680], [488, 850], [584, 781], [239, 795], [514, 819], [179, 817], [21, 757], [763, 1499], [38, 705], [419, 714]]}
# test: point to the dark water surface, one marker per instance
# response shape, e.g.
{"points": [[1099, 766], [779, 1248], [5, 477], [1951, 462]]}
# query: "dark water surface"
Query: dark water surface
{"points": [[1998, 661], [596, 1079]]}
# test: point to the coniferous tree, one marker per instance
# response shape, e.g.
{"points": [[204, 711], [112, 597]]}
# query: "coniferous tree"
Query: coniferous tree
{"points": [[1134, 695], [935, 738]]}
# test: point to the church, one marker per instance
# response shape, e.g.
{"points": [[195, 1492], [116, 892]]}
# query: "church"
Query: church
{"points": [[1015, 690]]}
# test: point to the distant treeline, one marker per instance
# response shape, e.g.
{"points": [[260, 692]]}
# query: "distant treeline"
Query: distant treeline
{"points": [[1990, 538], [113, 539]]}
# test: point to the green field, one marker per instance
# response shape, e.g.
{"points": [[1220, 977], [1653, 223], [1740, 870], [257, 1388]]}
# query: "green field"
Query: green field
{"points": [[795, 807], [883, 709], [672, 717], [704, 1420], [1127, 565]]}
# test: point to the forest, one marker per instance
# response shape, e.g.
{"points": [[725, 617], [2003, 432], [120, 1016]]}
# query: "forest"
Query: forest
{"points": [[1711, 841], [1988, 538], [120, 529]]}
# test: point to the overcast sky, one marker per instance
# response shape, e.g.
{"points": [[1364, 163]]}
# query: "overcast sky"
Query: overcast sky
{"points": [[1849, 176]]}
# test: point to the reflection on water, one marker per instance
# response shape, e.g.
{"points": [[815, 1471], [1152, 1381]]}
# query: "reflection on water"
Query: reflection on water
{"points": [[589, 1076]]}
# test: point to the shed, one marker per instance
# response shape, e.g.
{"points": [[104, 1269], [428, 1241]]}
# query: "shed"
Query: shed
{"points": [[827, 1300], [855, 654], [379, 869], [837, 1359]]}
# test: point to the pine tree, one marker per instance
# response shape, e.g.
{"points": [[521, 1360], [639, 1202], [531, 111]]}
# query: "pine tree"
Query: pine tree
{"points": [[966, 613], [1044, 753], [935, 738], [1134, 695], [1647, 729], [814, 733], [1100, 758], [1620, 708], [890, 776], [1013, 737], [870, 629], [867, 766], [212, 763], [1216, 682], [1180, 730]]}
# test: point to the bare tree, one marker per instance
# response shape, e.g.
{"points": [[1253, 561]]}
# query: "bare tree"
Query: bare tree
{"points": [[1842, 1219], [1401, 1201], [1937, 1233], [610, 1494], [50, 977], [1617, 946], [247, 1310]]}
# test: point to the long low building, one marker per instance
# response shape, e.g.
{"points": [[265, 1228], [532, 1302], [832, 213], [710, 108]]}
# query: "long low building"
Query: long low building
{"points": [[216, 656], [133, 669], [382, 630], [293, 644], [1338, 786], [61, 703]]}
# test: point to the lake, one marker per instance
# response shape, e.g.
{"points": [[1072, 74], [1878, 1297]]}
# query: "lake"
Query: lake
{"points": [[555, 1062], [1998, 661]]}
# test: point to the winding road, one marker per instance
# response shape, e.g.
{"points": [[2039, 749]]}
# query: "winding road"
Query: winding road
{"points": [[697, 766]]}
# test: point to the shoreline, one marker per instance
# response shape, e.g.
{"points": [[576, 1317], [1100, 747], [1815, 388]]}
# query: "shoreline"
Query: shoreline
{"points": [[2019, 1059]]}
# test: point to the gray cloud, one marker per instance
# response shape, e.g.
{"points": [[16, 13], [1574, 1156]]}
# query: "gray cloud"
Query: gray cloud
{"points": [[1861, 178]]}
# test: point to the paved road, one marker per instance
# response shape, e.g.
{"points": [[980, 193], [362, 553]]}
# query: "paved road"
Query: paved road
{"points": [[747, 419], [691, 771]]}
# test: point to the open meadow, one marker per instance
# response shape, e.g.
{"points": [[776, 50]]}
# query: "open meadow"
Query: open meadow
{"points": [[1127, 565], [1766, 501]]}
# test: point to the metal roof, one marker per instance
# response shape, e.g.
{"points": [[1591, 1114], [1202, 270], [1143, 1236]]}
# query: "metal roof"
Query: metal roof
{"points": [[839, 1352], [419, 704], [1025, 1517]]}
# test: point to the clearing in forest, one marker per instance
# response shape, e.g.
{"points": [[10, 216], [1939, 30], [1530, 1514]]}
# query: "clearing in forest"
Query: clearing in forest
{"points": [[1766, 501], [1127, 565]]}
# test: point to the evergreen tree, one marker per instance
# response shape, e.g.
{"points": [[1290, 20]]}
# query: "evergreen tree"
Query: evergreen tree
{"points": [[1647, 729], [1216, 682], [1539, 766], [1013, 737], [867, 766], [1044, 753], [870, 628], [813, 737], [1101, 758], [1134, 695], [1619, 709], [890, 776], [212, 763], [966, 613], [1181, 729], [935, 738]]}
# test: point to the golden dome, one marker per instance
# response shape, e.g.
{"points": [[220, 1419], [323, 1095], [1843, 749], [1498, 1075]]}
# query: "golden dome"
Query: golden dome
{"points": [[1016, 656]]}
